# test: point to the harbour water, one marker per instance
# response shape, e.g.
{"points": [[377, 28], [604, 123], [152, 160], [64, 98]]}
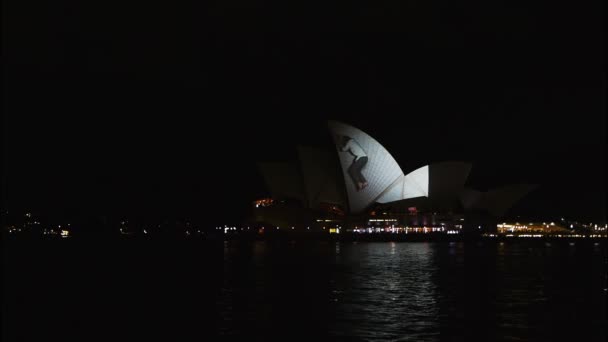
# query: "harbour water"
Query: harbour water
{"points": [[401, 291]]}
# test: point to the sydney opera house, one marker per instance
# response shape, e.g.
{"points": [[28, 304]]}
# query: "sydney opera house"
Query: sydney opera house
{"points": [[359, 187]]}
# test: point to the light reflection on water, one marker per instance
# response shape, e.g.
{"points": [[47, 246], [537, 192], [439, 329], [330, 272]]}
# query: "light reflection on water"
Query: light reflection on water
{"points": [[286, 290], [414, 291], [389, 286]]}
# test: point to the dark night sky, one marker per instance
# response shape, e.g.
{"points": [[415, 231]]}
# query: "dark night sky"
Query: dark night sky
{"points": [[156, 108]]}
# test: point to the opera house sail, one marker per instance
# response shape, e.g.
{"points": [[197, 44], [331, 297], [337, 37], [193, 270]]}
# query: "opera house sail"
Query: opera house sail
{"points": [[371, 174]]}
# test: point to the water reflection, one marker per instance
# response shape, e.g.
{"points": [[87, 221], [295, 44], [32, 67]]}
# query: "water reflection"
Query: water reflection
{"points": [[387, 285], [413, 291], [511, 291]]}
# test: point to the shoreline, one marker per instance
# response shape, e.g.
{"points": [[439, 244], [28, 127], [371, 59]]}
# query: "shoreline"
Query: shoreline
{"points": [[305, 237]]}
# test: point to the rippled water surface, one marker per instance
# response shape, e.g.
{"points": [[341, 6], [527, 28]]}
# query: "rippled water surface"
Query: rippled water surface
{"points": [[492, 291]]}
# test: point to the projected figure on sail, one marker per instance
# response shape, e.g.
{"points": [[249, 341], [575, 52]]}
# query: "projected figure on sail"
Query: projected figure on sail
{"points": [[351, 146]]}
